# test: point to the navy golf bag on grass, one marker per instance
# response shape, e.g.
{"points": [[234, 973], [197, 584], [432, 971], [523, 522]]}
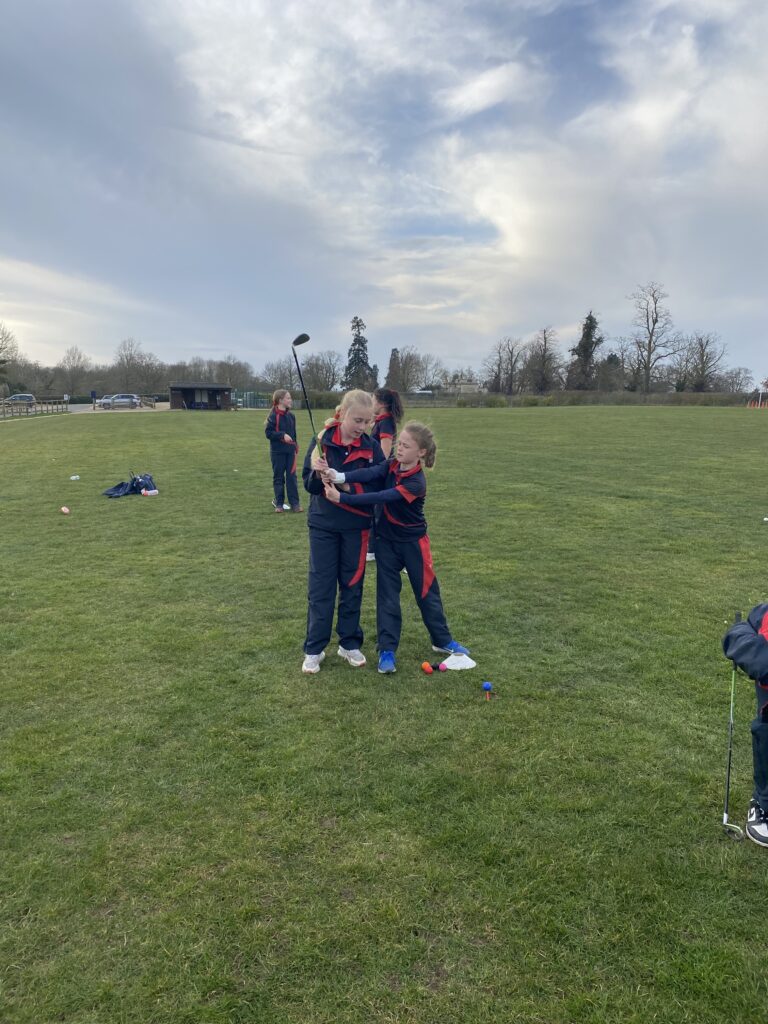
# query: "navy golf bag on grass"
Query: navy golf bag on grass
{"points": [[135, 485]]}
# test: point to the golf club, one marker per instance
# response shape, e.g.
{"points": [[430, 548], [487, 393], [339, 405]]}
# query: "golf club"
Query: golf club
{"points": [[732, 830], [302, 339]]}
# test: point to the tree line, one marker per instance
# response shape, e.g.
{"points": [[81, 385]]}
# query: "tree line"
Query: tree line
{"points": [[653, 356]]}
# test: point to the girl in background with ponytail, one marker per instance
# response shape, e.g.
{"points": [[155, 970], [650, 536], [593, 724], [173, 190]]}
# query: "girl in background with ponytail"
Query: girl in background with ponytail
{"points": [[389, 411], [280, 428]]}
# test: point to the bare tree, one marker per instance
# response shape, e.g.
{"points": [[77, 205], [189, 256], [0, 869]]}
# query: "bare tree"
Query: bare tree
{"points": [[410, 368], [281, 374], [137, 370], [128, 356], [31, 375], [9, 349], [323, 370], [706, 353], [655, 338], [736, 381], [678, 372], [199, 369], [73, 368], [430, 371], [695, 366], [542, 370], [501, 367], [231, 370]]}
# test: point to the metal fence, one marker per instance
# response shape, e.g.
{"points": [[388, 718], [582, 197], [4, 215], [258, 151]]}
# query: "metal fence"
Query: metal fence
{"points": [[257, 400]]}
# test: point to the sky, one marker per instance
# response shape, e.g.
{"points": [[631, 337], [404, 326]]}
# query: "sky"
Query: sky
{"points": [[214, 178]]}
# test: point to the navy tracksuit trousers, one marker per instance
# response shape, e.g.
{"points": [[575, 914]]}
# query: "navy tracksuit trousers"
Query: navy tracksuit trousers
{"points": [[283, 470], [392, 556], [336, 566]]}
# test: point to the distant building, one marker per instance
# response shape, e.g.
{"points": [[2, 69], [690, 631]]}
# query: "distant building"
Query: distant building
{"points": [[198, 395]]}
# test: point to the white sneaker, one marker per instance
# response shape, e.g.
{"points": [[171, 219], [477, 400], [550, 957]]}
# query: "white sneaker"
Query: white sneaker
{"points": [[370, 557], [355, 658], [757, 824], [311, 664]]}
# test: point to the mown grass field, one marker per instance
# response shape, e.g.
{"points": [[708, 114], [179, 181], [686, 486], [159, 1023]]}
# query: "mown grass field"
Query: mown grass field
{"points": [[192, 831]]}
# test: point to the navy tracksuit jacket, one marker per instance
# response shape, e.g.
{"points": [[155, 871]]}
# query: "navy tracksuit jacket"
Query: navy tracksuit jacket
{"points": [[283, 455], [338, 541], [402, 544], [384, 426], [746, 645]]}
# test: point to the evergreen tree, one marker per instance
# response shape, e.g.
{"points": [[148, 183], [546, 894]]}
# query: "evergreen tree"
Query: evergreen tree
{"points": [[358, 372], [609, 373], [393, 378], [581, 371]]}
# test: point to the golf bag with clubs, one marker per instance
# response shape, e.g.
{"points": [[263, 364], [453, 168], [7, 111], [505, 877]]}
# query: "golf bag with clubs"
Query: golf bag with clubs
{"points": [[135, 485]]}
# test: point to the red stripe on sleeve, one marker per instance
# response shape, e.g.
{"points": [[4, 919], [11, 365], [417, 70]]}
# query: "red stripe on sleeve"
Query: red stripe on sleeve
{"points": [[408, 495], [763, 631]]}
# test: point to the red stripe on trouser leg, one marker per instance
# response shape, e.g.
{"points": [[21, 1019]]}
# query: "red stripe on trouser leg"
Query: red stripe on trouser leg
{"points": [[361, 561], [428, 571], [295, 454]]}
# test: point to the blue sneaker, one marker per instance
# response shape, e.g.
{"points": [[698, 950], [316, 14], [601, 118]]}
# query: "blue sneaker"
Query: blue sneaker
{"points": [[387, 662], [451, 648]]}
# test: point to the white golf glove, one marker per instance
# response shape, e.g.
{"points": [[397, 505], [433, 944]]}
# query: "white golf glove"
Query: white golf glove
{"points": [[338, 478]]}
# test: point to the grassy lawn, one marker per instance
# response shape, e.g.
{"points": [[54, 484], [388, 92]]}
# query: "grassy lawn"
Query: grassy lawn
{"points": [[192, 831]]}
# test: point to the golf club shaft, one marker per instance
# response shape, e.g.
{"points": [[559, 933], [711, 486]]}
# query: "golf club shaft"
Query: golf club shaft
{"points": [[304, 392], [731, 829], [730, 751]]}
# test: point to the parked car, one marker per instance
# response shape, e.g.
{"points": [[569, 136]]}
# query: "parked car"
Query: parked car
{"points": [[121, 402], [104, 402], [22, 400]]}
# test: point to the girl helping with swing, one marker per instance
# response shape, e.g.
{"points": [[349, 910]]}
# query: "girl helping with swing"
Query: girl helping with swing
{"points": [[402, 541]]}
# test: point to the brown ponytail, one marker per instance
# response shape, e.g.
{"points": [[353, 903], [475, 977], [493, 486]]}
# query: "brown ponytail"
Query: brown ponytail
{"points": [[424, 438]]}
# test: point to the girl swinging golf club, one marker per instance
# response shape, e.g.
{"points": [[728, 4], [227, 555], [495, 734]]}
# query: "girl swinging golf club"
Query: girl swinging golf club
{"points": [[338, 536]]}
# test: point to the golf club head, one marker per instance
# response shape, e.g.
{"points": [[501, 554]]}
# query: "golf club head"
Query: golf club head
{"points": [[301, 340], [733, 831]]}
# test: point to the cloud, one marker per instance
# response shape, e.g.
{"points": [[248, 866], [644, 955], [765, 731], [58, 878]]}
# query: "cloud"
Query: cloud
{"points": [[512, 82], [198, 171], [43, 306]]}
